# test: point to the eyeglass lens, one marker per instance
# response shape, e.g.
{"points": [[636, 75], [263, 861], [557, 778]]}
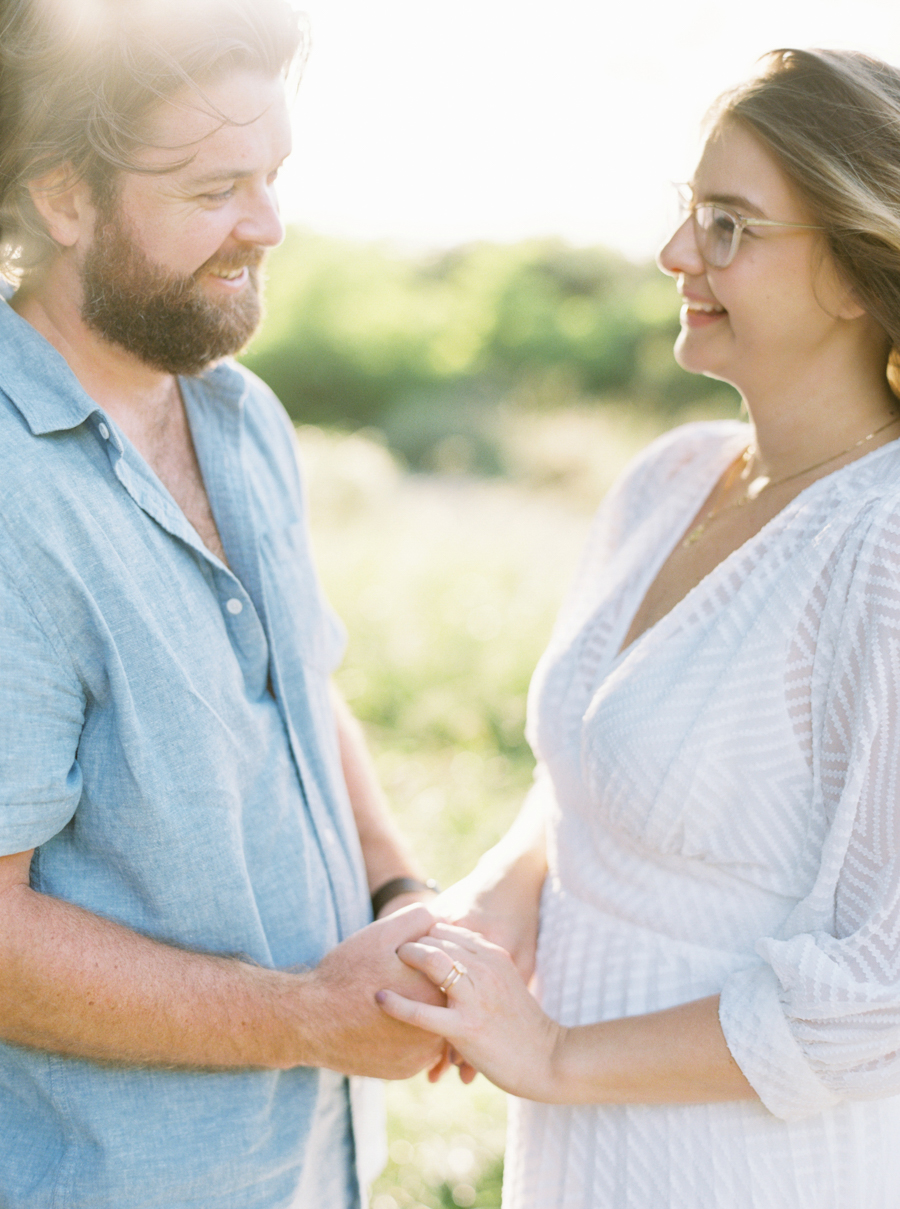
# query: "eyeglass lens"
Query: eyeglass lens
{"points": [[717, 235]]}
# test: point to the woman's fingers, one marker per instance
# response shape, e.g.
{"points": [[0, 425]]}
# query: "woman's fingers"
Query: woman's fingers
{"points": [[469, 941], [440, 962], [412, 1011], [445, 972], [492, 1021]]}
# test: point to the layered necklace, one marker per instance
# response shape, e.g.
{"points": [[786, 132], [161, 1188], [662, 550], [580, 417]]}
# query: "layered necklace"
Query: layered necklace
{"points": [[762, 483]]}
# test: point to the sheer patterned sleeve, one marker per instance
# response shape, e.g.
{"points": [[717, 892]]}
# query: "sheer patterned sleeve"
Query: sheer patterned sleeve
{"points": [[819, 1020]]}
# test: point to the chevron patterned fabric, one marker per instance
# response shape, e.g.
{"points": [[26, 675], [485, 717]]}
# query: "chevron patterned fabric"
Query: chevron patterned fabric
{"points": [[724, 805]]}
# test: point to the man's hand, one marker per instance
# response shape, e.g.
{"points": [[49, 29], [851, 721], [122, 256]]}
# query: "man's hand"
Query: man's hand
{"points": [[74, 983], [342, 1025]]}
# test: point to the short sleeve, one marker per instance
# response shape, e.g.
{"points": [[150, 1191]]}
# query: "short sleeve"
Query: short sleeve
{"points": [[818, 1021], [41, 717]]}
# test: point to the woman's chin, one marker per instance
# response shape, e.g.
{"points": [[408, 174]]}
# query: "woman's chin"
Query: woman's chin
{"points": [[697, 360], [688, 356]]}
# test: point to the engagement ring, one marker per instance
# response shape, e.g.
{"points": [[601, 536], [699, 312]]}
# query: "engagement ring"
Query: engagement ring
{"points": [[456, 972]]}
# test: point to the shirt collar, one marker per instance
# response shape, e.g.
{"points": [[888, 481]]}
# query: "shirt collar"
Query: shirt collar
{"points": [[38, 379]]}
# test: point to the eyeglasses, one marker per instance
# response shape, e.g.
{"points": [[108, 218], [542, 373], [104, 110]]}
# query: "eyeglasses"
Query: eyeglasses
{"points": [[718, 230]]}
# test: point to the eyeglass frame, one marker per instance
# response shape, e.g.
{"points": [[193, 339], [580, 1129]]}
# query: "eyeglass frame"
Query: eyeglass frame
{"points": [[740, 225]]}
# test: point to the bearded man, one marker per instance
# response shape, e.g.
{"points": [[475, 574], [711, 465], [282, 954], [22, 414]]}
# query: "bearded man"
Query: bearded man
{"points": [[189, 827]]}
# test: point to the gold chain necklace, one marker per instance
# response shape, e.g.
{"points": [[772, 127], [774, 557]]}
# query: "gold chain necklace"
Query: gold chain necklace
{"points": [[759, 485]]}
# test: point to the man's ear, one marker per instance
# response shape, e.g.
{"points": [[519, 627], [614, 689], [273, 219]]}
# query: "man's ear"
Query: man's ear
{"points": [[63, 200]]}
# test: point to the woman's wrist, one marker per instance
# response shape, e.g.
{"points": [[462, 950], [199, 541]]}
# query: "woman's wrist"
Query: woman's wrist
{"points": [[574, 1069]]}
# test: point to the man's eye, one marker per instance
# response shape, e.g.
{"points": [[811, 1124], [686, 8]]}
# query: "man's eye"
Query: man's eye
{"points": [[219, 197]]}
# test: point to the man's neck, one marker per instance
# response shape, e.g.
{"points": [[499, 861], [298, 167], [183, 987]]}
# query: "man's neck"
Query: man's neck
{"points": [[137, 396], [145, 403]]}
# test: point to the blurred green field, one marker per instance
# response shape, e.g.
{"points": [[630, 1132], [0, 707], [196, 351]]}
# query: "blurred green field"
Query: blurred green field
{"points": [[448, 585], [427, 346]]}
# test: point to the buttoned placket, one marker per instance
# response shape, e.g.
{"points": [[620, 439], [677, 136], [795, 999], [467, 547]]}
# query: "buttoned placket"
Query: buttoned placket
{"points": [[219, 455], [244, 627]]}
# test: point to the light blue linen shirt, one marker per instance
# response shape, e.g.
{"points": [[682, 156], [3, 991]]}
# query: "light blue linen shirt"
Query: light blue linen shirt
{"points": [[160, 781]]}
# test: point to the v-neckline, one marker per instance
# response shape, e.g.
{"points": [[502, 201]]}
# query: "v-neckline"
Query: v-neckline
{"points": [[725, 455], [692, 504]]}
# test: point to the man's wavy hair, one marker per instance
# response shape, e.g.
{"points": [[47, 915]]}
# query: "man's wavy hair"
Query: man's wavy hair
{"points": [[78, 79]]}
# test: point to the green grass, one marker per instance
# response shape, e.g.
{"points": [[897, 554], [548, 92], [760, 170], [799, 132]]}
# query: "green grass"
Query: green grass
{"points": [[448, 587]]}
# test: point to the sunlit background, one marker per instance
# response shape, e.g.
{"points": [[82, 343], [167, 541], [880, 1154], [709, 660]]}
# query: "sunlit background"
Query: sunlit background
{"points": [[429, 124]]}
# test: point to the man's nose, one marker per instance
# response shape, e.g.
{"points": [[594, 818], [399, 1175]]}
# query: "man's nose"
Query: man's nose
{"points": [[261, 223]]}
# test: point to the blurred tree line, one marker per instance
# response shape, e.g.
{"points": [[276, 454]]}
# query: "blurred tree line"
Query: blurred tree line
{"points": [[358, 336]]}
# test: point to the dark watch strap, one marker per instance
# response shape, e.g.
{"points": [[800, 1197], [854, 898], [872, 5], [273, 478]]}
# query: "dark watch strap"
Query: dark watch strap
{"points": [[397, 886]]}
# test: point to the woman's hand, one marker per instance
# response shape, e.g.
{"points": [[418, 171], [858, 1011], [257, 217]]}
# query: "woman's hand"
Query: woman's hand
{"points": [[501, 897], [504, 912], [674, 1056], [491, 1019]]}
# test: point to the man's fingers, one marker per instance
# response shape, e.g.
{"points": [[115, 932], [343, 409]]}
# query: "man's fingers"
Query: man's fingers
{"points": [[443, 1064], [466, 1072]]}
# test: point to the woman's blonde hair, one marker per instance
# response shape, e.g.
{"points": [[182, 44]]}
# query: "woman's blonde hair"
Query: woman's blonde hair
{"points": [[832, 120]]}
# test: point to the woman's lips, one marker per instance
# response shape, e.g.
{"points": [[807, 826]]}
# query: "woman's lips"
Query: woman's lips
{"points": [[699, 312]]}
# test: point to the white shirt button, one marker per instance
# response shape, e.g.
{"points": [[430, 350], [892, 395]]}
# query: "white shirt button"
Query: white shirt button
{"points": [[234, 606], [104, 431]]}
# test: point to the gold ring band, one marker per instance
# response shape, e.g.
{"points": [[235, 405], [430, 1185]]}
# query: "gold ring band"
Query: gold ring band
{"points": [[456, 972]]}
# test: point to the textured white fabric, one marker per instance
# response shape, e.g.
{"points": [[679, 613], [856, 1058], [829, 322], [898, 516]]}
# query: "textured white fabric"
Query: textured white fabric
{"points": [[724, 803]]}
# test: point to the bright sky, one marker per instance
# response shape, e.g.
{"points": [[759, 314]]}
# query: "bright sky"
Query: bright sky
{"points": [[428, 124]]}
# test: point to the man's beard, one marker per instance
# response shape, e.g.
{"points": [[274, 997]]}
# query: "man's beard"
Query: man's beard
{"points": [[168, 322]]}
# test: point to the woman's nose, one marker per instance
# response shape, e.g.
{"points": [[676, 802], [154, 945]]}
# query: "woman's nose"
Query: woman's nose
{"points": [[681, 254]]}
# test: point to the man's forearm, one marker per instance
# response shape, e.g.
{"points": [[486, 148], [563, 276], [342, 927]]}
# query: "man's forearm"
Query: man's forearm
{"points": [[385, 851], [78, 984], [74, 983]]}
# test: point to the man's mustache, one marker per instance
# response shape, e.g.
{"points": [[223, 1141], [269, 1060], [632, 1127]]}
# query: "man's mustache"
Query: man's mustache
{"points": [[240, 258]]}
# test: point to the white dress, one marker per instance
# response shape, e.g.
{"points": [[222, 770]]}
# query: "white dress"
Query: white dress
{"points": [[724, 798]]}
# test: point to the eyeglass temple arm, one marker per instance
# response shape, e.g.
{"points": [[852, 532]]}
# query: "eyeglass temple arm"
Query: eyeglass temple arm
{"points": [[769, 222]]}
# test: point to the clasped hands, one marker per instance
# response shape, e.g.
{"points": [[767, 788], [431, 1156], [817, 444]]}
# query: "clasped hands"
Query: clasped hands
{"points": [[487, 1016]]}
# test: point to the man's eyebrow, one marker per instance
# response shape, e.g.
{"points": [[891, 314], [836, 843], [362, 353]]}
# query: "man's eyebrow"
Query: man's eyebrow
{"points": [[220, 175], [215, 178]]}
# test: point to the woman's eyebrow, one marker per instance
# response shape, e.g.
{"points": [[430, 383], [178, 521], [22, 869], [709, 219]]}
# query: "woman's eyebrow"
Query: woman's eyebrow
{"points": [[734, 201]]}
